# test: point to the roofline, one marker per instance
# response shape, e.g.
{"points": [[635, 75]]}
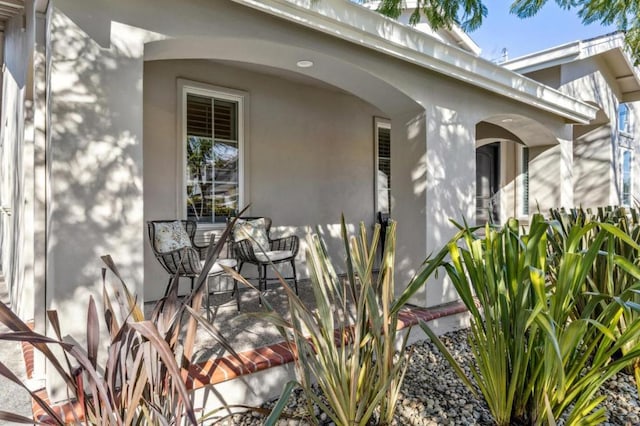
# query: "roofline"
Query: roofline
{"points": [[568, 52], [578, 50], [357, 24], [461, 37], [464, 39]]}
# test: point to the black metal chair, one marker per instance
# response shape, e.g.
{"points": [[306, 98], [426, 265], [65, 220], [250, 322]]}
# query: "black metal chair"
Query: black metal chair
{"points": [[383, 220], [185, 260], [280, 250]]}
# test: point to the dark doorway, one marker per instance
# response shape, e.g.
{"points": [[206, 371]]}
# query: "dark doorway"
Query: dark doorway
{"points": [[487, 183]]}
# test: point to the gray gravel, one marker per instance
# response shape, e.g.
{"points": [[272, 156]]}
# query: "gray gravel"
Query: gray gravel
{"points": [[433, 395]]}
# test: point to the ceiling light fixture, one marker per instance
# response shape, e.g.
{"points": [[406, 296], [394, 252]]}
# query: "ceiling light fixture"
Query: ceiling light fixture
{"points": [[304, 63]]}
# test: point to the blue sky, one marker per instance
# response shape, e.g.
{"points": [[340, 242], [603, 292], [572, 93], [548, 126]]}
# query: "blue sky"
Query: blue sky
{"points": [[552, 26]]}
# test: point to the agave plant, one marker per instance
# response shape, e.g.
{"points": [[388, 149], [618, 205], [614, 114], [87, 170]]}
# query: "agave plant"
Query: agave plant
{"points": [[141, 381], [534, 362], [350, 344]]}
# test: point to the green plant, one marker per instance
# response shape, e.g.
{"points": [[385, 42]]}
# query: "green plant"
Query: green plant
{"points": [[141, 381], [534, 362], [349, 345], [604, 278]]}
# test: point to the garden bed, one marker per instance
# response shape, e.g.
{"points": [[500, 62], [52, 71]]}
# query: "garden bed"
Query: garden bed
{"points": [[433, 395]]}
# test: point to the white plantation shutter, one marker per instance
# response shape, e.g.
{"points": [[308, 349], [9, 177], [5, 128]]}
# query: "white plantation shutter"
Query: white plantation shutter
{"points": [[212, 163], [383, 167], [524, 197]]}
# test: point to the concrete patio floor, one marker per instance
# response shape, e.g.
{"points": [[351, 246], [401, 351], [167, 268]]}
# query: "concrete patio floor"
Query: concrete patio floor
{"points": [[13, 398], [243, 330]]}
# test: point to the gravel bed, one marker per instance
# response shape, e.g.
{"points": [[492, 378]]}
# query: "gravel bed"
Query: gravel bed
{"points": [[433, 395]]}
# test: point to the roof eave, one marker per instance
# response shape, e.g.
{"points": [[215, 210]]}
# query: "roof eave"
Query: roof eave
{"points": [[356, 24], [611, 44]]}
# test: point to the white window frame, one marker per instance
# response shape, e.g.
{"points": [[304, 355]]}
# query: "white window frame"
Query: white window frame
{"points": [[379, 123], [626, 129], [186, 87], [520, 183], [623, 151]]}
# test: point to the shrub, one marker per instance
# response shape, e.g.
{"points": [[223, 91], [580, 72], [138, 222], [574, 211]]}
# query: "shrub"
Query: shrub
{"points": [[605, 278], [348, 346], [535, 363], [141, 381]]}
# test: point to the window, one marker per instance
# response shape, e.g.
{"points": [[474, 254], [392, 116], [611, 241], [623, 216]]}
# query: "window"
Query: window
{"points": [[212, 135], [383, 165], [625, 193], [524, 181], [624, 122]]}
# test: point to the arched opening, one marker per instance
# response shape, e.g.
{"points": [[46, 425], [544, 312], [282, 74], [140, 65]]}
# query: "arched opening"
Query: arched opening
{"points": [[505, 146], [306, 141]]}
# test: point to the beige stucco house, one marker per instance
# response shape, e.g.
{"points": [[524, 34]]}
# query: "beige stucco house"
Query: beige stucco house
{"points": [[119, 112], [600, 72]]}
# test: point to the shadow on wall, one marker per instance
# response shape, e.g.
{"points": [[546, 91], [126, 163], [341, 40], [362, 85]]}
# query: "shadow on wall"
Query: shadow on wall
{"points": [[96, 166], [596, 174], [448, 178], [593, 168]]}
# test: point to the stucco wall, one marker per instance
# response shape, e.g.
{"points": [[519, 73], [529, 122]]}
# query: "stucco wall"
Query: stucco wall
{"points": [[590, 81], [95, 159], [309, 153], [594, 147], [97, 141], [592, 168]]}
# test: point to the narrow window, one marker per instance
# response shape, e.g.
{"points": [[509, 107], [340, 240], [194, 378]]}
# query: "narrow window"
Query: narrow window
{"points": [[213, 146], [524, 181], [623, 118], [383, 166], [625, 198]]}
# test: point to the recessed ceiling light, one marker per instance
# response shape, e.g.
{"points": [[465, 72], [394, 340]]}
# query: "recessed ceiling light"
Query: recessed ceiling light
{"points": [[304, 63]]}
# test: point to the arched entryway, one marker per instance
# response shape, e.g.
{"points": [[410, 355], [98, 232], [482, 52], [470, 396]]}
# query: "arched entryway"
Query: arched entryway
{"points": [[505, 146]]}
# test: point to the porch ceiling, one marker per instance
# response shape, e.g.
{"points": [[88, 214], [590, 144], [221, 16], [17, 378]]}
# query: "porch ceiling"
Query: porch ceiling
{"points": [[524, 130], [9, 9], [328, 72], [292, 76]]}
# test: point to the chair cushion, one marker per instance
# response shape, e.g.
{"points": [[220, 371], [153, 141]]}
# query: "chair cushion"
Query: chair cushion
{"points": [[274, 256], [170, 236], [217, 266], [253, 230]]}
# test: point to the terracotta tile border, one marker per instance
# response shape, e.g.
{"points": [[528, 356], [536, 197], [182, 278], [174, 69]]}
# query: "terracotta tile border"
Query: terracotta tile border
{"points": [[207, 373], [219, 370]]}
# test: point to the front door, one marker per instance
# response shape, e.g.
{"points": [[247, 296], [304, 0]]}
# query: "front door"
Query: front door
{"points": [[487, 183]]}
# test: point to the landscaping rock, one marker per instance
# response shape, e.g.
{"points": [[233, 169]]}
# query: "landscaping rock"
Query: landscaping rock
{"points": [[433, 395]]}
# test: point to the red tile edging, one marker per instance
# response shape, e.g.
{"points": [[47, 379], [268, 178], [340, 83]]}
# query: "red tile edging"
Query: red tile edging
{"points": [[219, 370], [226, 368]]}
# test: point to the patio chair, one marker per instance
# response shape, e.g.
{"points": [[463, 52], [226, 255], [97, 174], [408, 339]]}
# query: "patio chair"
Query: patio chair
{"points": [[251, 243], [383, 220], [173, 244]]}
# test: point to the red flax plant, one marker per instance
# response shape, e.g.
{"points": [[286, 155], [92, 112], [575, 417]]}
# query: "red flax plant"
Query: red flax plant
{"points": [[142, 380]]}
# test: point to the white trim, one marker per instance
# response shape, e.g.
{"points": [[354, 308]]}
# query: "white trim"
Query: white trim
{"points": [[185, 87], [378, 123], [520, 184], [623, 151], [357, 24]]}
